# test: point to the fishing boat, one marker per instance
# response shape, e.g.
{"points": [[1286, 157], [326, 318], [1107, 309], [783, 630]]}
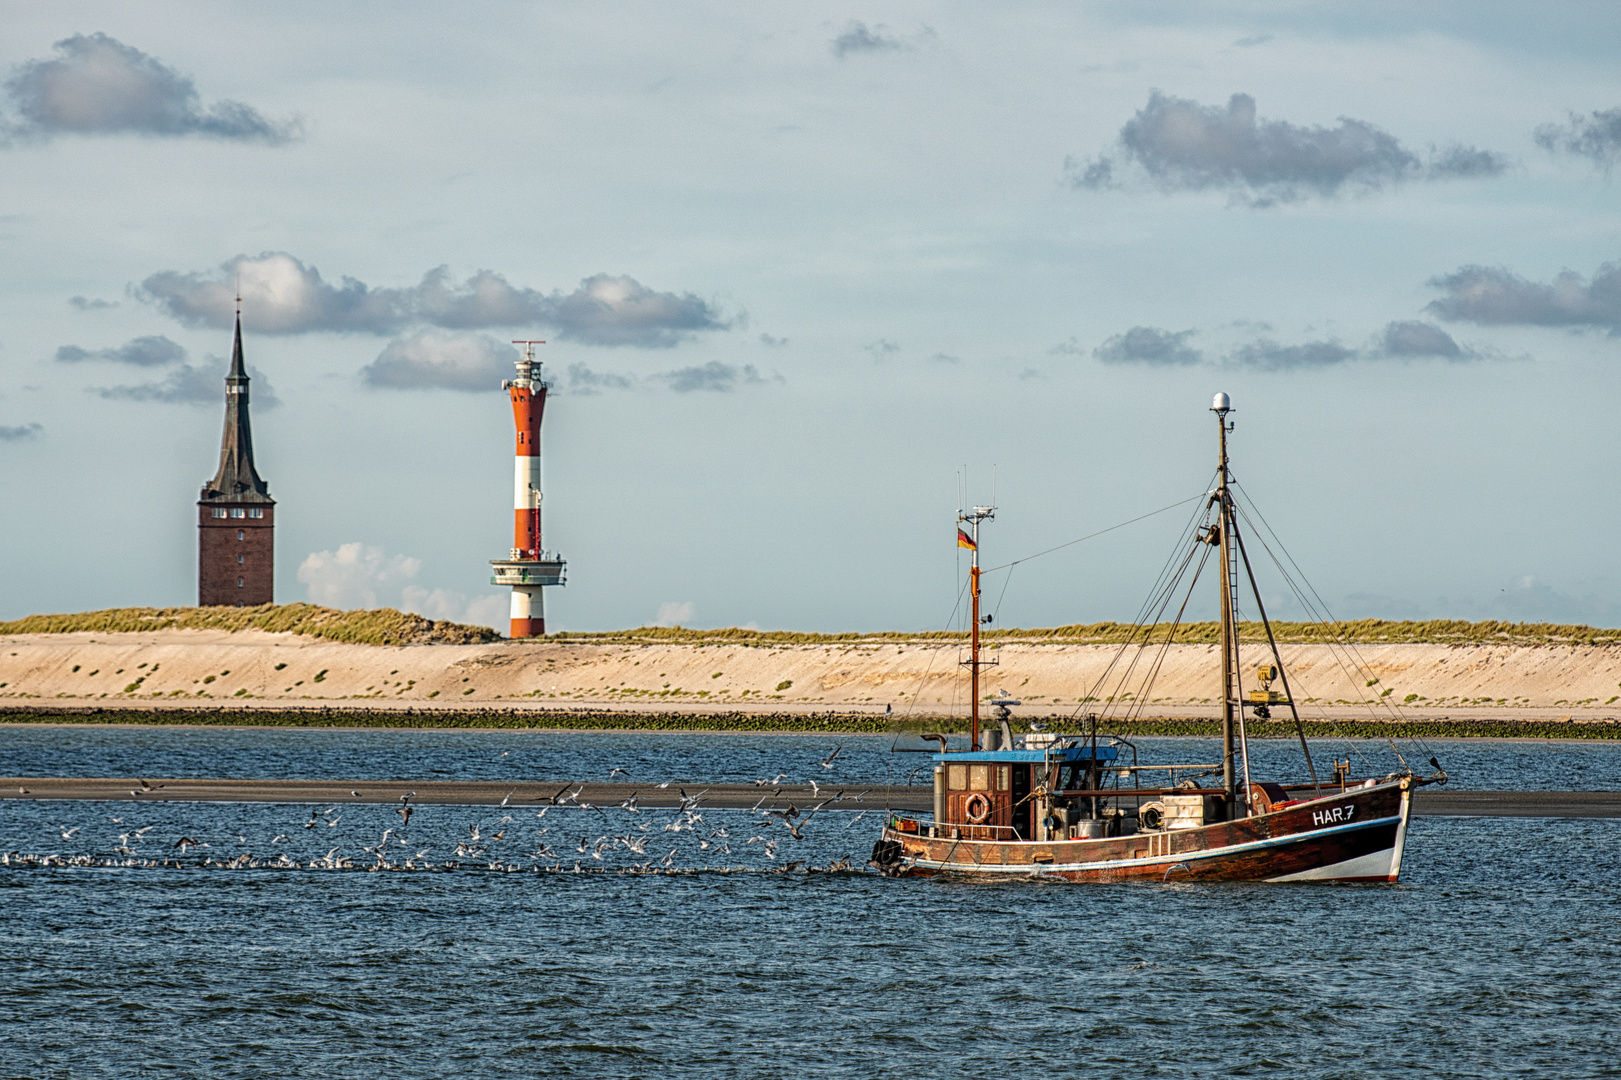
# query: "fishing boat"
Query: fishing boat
{"points": [[1072, 807]]}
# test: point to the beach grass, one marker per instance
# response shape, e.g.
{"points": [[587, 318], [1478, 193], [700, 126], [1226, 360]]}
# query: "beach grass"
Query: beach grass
{"points": [[383, 626]]}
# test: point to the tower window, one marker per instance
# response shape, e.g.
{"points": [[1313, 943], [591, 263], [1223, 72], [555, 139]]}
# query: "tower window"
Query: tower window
{"points": [[241, 558], [256, 513], [219, 511], [237, 511], [239, 583], [239, 534]]}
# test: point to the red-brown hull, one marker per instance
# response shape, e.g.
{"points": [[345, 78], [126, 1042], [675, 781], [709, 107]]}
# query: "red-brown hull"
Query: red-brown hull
{"points": [[1355, 835]]}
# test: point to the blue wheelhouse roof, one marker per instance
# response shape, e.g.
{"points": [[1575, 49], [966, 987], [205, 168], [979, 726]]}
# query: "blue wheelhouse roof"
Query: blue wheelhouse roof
{"points": [[1073, 753]]}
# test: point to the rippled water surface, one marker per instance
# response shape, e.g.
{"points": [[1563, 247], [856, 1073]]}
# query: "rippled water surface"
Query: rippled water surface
{"points": [[571, 952]]}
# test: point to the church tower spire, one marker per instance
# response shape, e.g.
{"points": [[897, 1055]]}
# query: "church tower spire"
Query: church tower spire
{"points": [[236, 515]]}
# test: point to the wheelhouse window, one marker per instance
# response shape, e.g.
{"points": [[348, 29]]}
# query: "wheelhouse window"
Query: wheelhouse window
{"points": [[1003, 776], [979, 778], [957, 777]]}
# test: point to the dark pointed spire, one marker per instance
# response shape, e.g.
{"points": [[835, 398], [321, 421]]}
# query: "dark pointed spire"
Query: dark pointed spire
{"points": [[237, 480]]}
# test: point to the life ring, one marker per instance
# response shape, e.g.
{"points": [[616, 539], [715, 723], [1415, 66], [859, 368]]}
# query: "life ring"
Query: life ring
{"points": [[977, 808]]}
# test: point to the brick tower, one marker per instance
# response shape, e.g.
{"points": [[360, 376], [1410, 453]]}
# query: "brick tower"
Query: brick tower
{"points": [[236, 517]]}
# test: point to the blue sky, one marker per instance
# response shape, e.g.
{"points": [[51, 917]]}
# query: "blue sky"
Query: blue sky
{"points": [[799, 267]]}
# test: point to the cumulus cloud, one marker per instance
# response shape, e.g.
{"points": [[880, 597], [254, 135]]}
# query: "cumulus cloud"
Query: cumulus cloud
{"points": [[584, 381], [283, 295], [432, 359], [858, 38], [200, 385], [881, 348], [1493, 296], [608, 310], [142, 352], [674, 614], [1180, 145], [1149, 345], [19, 432], [1271, 356], [1416, 340], [97, 85], [85, 303], [714, 376], [356, 575], [456, 607], [1596, 137]]}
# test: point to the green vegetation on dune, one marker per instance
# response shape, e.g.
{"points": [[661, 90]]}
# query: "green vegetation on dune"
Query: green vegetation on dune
{"points": [[854, 723], [384, 626], [1360, 632]]}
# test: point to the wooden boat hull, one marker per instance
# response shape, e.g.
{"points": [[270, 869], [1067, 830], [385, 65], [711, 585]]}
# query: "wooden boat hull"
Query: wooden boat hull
{"points": [[1355, 835]]}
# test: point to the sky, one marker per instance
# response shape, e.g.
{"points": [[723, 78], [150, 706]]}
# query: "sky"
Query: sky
{"points": [[809, 276]]}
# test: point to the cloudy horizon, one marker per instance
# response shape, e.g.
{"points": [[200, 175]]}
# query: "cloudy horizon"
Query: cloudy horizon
{"points": [[799, 271]]}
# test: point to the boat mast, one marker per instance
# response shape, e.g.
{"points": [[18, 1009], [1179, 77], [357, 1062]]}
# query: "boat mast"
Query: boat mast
{"points": [[1230, 704], [973, 518]]}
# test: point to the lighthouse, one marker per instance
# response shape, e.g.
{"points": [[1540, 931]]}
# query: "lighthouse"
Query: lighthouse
{"points": [[530, 568]]}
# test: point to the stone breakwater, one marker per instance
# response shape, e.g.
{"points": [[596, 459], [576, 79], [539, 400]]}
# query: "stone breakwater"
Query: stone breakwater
{"points": [[252, 669]]}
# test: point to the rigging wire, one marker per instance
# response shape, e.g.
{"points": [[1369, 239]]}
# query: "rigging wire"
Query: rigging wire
{"points": [[1321, 612], [1100, 532]]}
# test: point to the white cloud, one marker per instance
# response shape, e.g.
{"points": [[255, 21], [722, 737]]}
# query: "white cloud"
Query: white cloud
{"points": [[356, 576], [674, 614], [456, 607], [433, 359], [97, 85]]}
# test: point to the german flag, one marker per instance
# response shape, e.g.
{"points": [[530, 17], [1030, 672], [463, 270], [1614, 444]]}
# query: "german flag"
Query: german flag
{"points": [[964, 540]]}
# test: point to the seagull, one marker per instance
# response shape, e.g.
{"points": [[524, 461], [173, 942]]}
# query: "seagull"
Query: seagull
{"points": [[857, 818], [664, 785], [143, 832], [507, 796], [279, 839], [310, 824], [144, 785], [630, 804], [500, 835], [474, 830], [816, 790], [67, 834], [543, 810], [405, 814], [827, 763], [186, 842], [333, 824], [616, 771]]}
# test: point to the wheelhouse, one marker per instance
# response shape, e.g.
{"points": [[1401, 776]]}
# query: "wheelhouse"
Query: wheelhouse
{"points": [[1016, 794]]}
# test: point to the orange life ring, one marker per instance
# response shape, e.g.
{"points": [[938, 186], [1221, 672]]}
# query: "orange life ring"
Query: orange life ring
{"points": [[977, 807]]}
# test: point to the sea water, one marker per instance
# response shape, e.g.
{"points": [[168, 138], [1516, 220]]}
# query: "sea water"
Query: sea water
{"points": [[265, 948]]}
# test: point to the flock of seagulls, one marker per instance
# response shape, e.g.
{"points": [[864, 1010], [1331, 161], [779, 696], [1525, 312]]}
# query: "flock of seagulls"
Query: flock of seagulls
{"points": [[770, 829]]}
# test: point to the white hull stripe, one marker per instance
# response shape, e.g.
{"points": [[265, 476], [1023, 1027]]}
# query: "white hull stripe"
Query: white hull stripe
{"points": [[1156, 860], [1375, 864]]}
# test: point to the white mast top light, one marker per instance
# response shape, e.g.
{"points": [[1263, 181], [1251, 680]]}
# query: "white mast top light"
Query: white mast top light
{"points": [[1223, 404]]}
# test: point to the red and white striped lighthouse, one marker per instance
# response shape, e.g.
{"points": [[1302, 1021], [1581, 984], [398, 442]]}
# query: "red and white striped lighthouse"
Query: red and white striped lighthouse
{"points": [[531, 567]]}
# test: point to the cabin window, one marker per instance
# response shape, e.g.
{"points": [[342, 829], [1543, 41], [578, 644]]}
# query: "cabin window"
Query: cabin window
{"points": [[256, 512], [237, 511], [979, 778], [1003, 775], [957, 777], [219, 511]]}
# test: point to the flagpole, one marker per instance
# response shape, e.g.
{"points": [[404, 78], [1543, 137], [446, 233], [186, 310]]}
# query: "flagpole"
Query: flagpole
{"points": [[971, 541]]}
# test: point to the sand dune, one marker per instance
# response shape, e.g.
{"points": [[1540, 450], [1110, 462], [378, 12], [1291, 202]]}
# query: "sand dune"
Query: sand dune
{"points": [[252, 668]]}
